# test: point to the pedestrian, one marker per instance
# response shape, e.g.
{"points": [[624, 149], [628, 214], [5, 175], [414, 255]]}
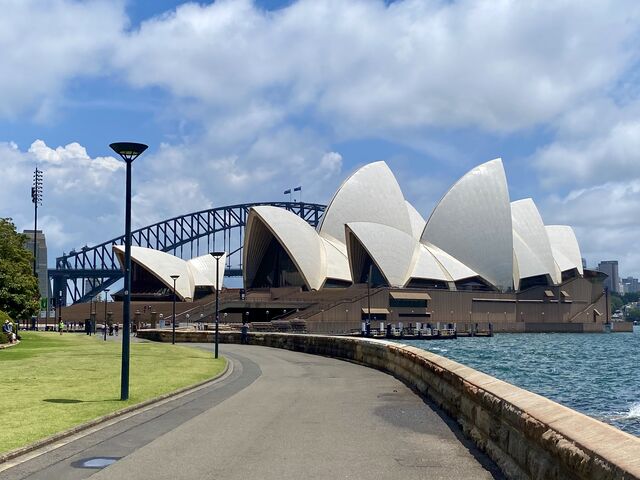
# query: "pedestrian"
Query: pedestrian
{"points": [[117, 327], [12, 334], [8, 330], [60, 326], [244, 335]]}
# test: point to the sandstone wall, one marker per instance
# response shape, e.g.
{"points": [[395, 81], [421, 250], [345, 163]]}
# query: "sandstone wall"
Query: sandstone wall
{"points": [[528, 436]]}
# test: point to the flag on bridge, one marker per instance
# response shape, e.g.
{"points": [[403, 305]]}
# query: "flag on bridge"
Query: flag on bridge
{"points": [[287, 192]]}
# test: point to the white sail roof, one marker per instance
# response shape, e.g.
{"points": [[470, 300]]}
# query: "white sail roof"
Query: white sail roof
{"points": [[474, 231], [337, 261], [296, 236], [392, 250], [371, 194], [427, 266], [162, 265], [531, 242], [417, 222], [472, 223], [565, 248], [454, 268], [203, 269]]}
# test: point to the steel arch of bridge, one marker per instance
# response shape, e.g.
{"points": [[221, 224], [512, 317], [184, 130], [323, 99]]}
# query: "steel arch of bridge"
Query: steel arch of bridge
{"points": [[83, 274]]}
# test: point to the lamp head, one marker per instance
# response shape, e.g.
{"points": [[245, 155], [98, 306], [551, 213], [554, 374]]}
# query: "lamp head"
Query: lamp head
{"points": [[129, 151], [217, 255], [175, 277]]}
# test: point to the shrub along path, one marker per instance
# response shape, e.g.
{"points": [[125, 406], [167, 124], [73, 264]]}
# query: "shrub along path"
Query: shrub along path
{"points": [[50, 383]]}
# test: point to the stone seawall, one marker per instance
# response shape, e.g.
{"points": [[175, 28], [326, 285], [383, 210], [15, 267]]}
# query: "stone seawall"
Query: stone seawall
{"points": [[527, 435]]}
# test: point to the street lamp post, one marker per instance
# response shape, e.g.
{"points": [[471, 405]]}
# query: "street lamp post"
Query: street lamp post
{"points": [[129, 152], [106, 292], [173, 335], [59, 309], [217, 256], [88, 328]]}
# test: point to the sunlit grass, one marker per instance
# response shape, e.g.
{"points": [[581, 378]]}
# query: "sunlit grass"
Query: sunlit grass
{"points": [[50, 383]]}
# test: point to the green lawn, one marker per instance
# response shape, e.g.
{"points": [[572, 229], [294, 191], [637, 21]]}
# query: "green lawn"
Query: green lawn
{"points": [[49, 383]]}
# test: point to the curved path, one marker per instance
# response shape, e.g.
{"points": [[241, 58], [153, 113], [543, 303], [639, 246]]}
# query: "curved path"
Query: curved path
{"points": [[278, 415]]}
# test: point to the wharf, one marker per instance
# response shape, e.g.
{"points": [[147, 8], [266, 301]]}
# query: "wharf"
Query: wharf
{"points": [[428, 334], [476, 334], [412, 336]]}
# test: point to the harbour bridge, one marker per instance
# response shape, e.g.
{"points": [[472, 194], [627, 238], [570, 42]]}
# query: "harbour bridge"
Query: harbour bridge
{"points": [[82, 274]]}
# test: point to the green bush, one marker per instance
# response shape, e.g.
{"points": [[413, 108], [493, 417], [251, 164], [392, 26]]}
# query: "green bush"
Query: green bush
{"points": [[4, 338], [633, 314]]}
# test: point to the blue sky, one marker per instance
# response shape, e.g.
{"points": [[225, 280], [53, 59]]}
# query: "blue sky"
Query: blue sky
{"points": [[239, 100]]}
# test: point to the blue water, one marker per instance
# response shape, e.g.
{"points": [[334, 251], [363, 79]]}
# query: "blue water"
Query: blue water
{"points": [[596, 374]]}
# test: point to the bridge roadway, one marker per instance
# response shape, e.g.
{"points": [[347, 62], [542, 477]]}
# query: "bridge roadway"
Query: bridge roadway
{"points": [[277, 415]]}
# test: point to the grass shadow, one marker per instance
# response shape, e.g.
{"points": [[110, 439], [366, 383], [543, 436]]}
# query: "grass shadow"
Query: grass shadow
{"points": [[74, 400]]}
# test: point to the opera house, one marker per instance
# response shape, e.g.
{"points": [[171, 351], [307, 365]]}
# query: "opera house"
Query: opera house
{"points": [[479, 258]]}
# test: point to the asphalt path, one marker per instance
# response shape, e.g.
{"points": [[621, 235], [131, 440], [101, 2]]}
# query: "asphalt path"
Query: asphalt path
{"points": [[277, 415]]}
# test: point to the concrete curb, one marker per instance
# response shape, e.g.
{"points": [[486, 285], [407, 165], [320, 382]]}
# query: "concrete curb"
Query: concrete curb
{"points": [[10, 455], [9, 345]]}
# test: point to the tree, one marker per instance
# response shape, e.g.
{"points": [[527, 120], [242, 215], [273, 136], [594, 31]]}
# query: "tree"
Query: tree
{"points": [[19, 295], [615, 302]]}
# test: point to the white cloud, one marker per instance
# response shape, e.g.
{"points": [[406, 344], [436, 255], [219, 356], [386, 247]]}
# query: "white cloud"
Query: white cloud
{"points": [[358, 65], [43, 45], [159, 200], [80, 193], [253, 166], [597, 143], [363, 65], [605, 218], [329, 166]]}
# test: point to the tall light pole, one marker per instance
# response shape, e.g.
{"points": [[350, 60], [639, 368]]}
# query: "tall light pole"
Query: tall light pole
{"points": [[129, 152], [367, 327], [36, 199], [106, 291], [217, 256], [173, 335]]}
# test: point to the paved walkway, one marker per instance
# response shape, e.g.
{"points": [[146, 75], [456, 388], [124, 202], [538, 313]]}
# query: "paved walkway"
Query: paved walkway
{"points": [[279, 415]]}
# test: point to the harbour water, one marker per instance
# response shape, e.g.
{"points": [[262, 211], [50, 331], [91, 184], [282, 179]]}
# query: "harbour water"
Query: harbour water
{"points": [[596, 374]]}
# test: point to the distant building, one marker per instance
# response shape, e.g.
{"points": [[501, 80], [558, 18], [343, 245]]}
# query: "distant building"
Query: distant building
{"points": [[630, 285], [41, 259], [610, 268]]}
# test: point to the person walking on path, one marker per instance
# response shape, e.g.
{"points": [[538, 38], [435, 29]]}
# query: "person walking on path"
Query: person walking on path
{"points": [[116, 328], [61, 326]]}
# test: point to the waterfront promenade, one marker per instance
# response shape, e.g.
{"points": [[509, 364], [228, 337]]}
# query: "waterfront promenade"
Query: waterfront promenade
{"points": [[278, 414]]}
